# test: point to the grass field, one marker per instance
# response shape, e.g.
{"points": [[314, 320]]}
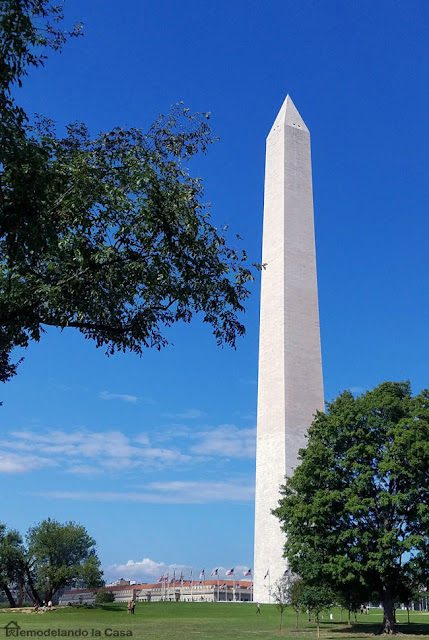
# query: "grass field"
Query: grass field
{"points": [[219, 621]]}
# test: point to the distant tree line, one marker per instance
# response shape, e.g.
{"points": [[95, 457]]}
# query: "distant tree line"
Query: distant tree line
{"points": [[52, 556]]}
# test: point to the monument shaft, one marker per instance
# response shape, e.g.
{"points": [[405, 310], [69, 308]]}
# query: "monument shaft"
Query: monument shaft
{"points": [[290, 384]]}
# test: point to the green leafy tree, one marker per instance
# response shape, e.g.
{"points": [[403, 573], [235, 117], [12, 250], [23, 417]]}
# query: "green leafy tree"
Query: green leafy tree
{"points": [[104, 597], [12, 562], [108, 235], [297, 598], [351, 597], [59, 555], [28, 30], [311, 597], [317, 598], [91, 576], [358, 504]]}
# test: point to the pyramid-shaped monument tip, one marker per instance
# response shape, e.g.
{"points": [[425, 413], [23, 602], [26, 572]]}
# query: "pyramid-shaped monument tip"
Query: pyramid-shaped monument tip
{"points": [[289, 116]]}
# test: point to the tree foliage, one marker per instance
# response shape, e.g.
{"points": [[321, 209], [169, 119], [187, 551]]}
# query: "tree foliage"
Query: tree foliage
{"points": [[351, 596], [296, 597], [109, 235], [316, 598], [310, 597], [11, 561], [90, 575], [58, 555], [28, 30], [55, 556], [356, 511], [104, 597]]}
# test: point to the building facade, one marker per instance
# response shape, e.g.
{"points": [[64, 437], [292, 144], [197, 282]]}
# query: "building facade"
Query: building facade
{"points": [[206, 591]]}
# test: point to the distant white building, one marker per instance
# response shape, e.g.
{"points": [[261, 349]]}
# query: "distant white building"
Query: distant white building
{"points": [[205, 591]]}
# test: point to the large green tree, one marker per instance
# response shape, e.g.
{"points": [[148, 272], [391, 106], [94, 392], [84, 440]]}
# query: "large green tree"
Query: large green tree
{"points": [[356, 511], [56, 555], [109, 235], [59, 555], [12, 562]]}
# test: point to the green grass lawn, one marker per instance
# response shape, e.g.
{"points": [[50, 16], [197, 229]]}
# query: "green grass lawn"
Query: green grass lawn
{"points": [[217, 621]]}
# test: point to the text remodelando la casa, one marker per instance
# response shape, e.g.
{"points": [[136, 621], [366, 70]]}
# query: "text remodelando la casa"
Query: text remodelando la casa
{"points": [[15, 631]]}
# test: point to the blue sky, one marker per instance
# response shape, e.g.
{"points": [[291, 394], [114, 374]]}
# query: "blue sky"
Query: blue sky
{"points": [[155, 456]]}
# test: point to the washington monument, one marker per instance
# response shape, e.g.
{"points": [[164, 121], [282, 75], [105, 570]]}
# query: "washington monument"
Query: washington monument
{"points": [[290, 384]]}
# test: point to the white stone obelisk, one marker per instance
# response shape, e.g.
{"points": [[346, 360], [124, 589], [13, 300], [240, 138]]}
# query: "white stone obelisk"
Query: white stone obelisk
{"points": [[290, 383]]}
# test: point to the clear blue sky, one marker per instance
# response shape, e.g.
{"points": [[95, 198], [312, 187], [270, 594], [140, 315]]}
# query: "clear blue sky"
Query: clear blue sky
{"points": [[156, 455]]}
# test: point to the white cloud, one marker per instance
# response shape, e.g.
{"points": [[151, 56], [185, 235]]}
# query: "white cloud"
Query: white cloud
{"points": [[148, 570], [15, 463], [166, 455], [175, 492], [239, 570], [206, 491], [84, 452], [226, 440], [125, 397], [77, 443], [84, 469], [87, 452], [172, 431], [143, 570], [142, 438]]}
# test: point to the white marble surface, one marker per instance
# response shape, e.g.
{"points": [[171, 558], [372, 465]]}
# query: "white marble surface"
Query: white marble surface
{"points": [[290, 384]]}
